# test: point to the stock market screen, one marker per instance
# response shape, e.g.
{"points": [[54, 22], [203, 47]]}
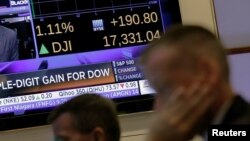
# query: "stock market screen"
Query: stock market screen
{"points": [[104, 25], [53, 50]]}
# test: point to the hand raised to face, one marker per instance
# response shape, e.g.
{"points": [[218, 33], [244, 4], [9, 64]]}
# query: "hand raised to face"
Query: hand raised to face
{"points": [[183, 115]]}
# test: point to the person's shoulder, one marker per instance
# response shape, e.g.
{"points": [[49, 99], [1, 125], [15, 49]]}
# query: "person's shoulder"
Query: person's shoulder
{"points": [[245, 118], [244, 107], [7, 32], [248, 113]]}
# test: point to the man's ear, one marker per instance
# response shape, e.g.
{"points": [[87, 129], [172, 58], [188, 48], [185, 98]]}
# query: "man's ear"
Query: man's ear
{"points": [[209, 70], [98, 134]]}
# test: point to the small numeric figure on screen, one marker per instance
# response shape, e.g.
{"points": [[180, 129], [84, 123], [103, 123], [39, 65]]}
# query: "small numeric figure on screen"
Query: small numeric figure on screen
{"points": [[8, 45]]}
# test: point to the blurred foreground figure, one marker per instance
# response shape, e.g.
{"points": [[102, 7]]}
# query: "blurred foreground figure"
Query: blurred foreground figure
{"points": [[88, 117], [189, 70]]}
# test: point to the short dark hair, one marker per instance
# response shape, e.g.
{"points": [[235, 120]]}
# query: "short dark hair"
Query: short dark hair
{"points": [[90, 111], [192, 40]]}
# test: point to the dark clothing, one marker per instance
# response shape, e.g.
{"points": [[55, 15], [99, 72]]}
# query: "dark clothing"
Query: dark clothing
{"points": [[238, 113], [8, 45]]}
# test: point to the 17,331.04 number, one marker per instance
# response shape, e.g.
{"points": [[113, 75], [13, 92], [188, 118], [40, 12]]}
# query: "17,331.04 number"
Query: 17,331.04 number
{"points": [[130, 38]]}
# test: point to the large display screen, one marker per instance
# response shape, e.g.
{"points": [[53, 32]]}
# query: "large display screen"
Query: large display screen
{"points": [[53, 50]]}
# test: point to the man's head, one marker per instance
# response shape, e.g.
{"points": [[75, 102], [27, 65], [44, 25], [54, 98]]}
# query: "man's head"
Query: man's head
{"points": [[88, 117], [185, 55]]}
